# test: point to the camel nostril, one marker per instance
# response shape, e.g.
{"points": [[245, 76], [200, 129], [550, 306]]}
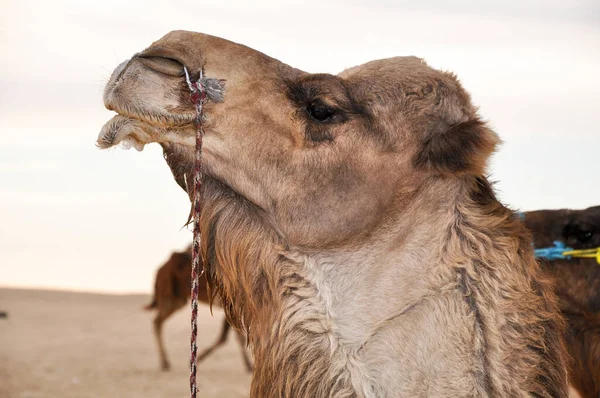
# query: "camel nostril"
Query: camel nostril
{"points": [[120, 69], [164, 65]]}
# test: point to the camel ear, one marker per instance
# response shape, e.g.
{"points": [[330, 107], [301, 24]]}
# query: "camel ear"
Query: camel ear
{"points": [[461, 149]]}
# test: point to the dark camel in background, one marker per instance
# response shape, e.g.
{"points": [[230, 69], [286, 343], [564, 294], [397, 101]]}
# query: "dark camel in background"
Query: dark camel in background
{"points": [[577, 284], [172, 292]]}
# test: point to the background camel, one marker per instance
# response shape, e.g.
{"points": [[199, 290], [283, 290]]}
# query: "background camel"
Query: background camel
{"points": [[577, 284], [171, 292], [348, 225]]}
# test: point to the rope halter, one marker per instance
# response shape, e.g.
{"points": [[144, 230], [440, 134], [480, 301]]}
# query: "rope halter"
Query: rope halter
{"points": [[198, 98]]}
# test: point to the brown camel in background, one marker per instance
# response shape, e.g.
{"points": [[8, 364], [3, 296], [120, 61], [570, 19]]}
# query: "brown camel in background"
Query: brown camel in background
{"points": [[347, 223], [172, 292], [577, 284]]}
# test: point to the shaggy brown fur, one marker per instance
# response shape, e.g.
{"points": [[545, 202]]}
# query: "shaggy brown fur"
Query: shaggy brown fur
{"points": [[171, 292], [348, 225], [577, 284]]}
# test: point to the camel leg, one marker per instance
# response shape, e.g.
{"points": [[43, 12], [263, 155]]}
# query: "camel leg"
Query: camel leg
{"points": [[164, 312], [242, 340], [164, 361], [220, 341]]}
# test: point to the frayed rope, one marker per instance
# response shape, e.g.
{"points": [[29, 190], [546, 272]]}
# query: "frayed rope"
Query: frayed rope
{"points": [[198, 97], [201, 91]]}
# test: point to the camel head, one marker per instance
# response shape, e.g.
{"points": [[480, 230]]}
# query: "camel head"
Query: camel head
{"points": [[583, 229], [325, 157], [579, 229], [577, 280]]}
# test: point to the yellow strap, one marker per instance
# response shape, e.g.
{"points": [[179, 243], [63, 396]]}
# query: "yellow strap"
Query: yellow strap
{"points": [[587, 253]]}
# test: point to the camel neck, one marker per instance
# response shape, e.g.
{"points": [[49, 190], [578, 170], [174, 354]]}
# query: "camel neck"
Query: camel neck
{"points": [[335, 302]]}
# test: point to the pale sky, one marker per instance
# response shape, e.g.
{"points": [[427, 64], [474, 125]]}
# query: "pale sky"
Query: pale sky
{"points": [[72, 216]]}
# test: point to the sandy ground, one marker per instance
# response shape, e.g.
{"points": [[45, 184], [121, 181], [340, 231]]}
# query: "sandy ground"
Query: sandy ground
{"points": [[80, 345], [65, 344]]}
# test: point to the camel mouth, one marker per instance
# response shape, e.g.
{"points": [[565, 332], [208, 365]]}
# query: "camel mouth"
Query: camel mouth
{"points": [[139, 109], [130, 132], [153, 103], [149, 98]]}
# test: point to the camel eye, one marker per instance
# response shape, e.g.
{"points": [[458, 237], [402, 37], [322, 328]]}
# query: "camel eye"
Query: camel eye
{"points": [[321, 112], [584, 236]]}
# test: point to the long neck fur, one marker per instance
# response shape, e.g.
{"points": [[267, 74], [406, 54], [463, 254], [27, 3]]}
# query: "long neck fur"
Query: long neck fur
{"points": [[311, 316]]}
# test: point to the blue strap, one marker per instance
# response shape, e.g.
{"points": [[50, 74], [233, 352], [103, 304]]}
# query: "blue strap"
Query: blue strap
{"points": [[553, 253], [549, 253]]}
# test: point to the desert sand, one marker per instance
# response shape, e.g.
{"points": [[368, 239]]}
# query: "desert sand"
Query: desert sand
{"points": [[79, 345], [67, 344]]}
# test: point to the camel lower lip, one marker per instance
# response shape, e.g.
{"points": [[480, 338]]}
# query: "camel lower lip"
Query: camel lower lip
{"points": [[131, 132], [123, 130]]}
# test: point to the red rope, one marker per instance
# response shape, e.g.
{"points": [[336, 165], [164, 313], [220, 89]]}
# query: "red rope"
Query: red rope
{"points": [[198, 97]]}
